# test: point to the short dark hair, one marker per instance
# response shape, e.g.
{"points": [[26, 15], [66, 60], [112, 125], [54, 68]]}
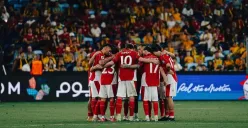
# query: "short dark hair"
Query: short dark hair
{"points": [[135, 47], [129, 46], [148, 48], [123, 46], [106, 45], [114, 50], [155, 48]]}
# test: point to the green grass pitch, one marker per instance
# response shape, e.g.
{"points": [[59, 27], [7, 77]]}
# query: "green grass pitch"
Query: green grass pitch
{"points": [[197, 114]]}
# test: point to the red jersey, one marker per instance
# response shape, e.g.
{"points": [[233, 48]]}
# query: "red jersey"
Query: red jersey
{"points": [[109, 76], [128, 57], [95, 75], [29, 37], [151, 74], [166, 59]]}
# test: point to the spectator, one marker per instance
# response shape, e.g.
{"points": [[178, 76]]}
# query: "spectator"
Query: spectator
{"points": [[57, 10], [96, 32], [200, 58], [80, 55], [234, 49], [240, 64], [5, 15], [20, 61], [78, 67], [177, 16], [187, 44], [188, 59], [60, 50], [170, 48], [188, 11], [29, 37], [65, 36], [241, 49], [218, 12], [50, 66], [68, 59], [171, 22], [215, 47], [206, 41], [177, 65], [228, 64], [218, 63], [148, 39], [30, 54], [49, 62], [210, 65]]}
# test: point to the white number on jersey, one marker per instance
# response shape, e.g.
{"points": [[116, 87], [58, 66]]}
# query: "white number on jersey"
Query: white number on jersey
{"points": [[109, 72], [153, 70], [171, 63], [127, 60]]}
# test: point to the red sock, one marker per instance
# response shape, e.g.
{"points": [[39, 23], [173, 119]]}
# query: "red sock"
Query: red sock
{"points": [[118, 105], [112, 107], [97, 108], [125, 108], [162, 109], [146, 107], [150, 109], [106, 106], [167, 114], [171, 113], [89, 109], [131, 106], [102, 107], [90, 114], [155, 107], [93, 105]]}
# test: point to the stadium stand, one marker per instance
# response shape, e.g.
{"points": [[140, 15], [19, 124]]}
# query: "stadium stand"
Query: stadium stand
{"points": [[65, 32]]}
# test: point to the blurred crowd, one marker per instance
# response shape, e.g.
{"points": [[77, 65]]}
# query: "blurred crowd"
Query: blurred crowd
{"points": [[205, 35]]}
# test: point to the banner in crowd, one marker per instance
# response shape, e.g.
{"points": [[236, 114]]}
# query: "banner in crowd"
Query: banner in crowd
{"points": [[74, 87]]}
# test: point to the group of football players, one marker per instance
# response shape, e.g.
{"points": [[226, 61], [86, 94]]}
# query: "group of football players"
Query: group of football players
{"points": [[119, 75]]}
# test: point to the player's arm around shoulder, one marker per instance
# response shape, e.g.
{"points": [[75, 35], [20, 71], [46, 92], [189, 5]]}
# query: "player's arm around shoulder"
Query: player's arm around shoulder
{"points": [[96, 67], [148, 60], [172, 55], [106, 60], [163, 74], [91, 61]]}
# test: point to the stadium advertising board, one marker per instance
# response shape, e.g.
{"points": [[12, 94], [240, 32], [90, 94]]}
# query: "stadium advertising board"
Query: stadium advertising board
{"points": [[74, 87]]}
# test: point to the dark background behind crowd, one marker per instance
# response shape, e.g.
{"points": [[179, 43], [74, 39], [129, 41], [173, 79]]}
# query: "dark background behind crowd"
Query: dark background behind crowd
{"points": [[205, 35]]}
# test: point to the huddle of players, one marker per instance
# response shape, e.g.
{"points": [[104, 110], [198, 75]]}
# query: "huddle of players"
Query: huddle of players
{"points": [[113, 75]]}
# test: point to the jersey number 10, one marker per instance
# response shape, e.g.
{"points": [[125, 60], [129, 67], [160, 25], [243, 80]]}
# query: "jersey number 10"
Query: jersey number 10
{"points": [[126, 60]]}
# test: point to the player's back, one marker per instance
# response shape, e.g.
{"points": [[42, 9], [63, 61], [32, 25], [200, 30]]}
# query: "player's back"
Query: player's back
{"points": [[128, 57], [95, 75], [166, 59], [108, 76], [152, 73]]}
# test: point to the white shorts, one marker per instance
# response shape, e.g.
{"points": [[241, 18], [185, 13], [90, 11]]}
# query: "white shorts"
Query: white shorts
{"points": [[126, 89], [150, 93], [94, 87], [107, 91], [161, 91], [170, 79], [171, 90]]}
